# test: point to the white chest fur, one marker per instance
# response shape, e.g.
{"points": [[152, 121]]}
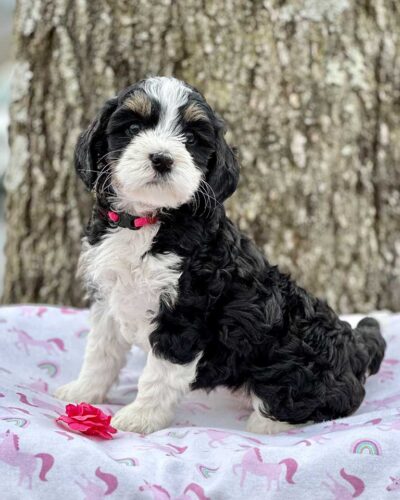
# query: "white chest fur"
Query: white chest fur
{"points": [[131, 281]]}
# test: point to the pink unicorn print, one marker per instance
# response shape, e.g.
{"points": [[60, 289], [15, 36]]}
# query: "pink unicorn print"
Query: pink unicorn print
{"points": [[169, 449], [393, 426], [65, 434], [394, 485], [38, 385], [385, 376], [38, 403], [384, 403], [336, 427], [253, 463], [95, 491], [218, 436], [206, 471], [68, 310], [25, 340], [341, 426], [293, 432], [390, 362], [40, 311], [15, 409], [33, 311], [384, 373], [160, 493], [318, 438], [26, 462], [341, 492]]}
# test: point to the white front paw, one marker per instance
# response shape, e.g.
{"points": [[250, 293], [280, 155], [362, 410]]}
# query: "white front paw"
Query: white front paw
{"points": [[78, 392], [138, 419]]}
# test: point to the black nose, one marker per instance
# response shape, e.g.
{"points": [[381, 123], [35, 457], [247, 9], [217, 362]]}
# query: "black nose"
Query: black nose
{"points": [[161, 162]]}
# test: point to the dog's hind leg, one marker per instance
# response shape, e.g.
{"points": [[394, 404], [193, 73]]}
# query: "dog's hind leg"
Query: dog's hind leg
{"points": [[260, 424]]}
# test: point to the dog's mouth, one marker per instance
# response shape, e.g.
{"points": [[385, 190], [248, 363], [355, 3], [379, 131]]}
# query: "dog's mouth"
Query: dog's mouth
{"points": [[158, 192], [152, 180], [159, 180], [162, 180]]}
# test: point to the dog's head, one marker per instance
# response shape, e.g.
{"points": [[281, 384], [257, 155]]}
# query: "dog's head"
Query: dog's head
{"points": [[157, 144]]}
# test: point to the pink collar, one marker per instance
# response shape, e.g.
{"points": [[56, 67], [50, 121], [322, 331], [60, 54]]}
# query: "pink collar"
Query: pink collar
{"points": [[123, 219], [144, 221]]}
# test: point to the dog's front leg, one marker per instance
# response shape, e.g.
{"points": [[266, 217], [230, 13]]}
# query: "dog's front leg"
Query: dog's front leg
{"points": [[161, 386], [105, 355]]}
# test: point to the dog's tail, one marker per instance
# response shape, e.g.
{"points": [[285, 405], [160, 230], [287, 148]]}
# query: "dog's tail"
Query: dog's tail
{"points": [[368, 333]]}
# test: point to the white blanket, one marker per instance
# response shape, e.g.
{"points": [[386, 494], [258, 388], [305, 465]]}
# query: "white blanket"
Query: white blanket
{"points": [[204, 454]]}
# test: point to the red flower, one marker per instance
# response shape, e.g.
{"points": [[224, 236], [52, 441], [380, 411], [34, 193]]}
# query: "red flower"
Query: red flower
{"points": [[88, 419]]}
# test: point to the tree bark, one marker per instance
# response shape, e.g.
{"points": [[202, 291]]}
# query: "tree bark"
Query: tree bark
{"points": [[310, 91]]}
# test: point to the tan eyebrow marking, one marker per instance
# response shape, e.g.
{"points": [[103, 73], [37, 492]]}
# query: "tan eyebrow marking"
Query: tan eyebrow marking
{"points": [[139, 103], [194, 113]]}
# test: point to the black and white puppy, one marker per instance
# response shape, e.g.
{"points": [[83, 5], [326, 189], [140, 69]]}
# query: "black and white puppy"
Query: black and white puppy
{"points": [[169, 272]]}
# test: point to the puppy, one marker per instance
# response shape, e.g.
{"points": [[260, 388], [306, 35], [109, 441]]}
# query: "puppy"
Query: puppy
{"points": [[169, 272]]}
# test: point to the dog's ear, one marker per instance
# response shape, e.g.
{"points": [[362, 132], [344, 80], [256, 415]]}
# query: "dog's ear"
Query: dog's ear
{"points": [[92, 145], [223, 175]]}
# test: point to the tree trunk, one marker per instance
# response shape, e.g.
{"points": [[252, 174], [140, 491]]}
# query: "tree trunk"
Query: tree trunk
{"points": [[310, 92]]}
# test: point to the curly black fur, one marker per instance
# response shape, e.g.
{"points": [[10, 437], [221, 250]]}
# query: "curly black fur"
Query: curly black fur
{"points": [[255, 327]]}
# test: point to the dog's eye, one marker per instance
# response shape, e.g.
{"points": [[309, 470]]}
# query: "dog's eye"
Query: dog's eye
{"points": [[190, 138], [133, 130]]}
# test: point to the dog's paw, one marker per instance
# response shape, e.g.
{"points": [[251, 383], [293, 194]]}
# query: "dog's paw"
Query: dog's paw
{"points": [[137, 419], [262, 425], [76, 392]]}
